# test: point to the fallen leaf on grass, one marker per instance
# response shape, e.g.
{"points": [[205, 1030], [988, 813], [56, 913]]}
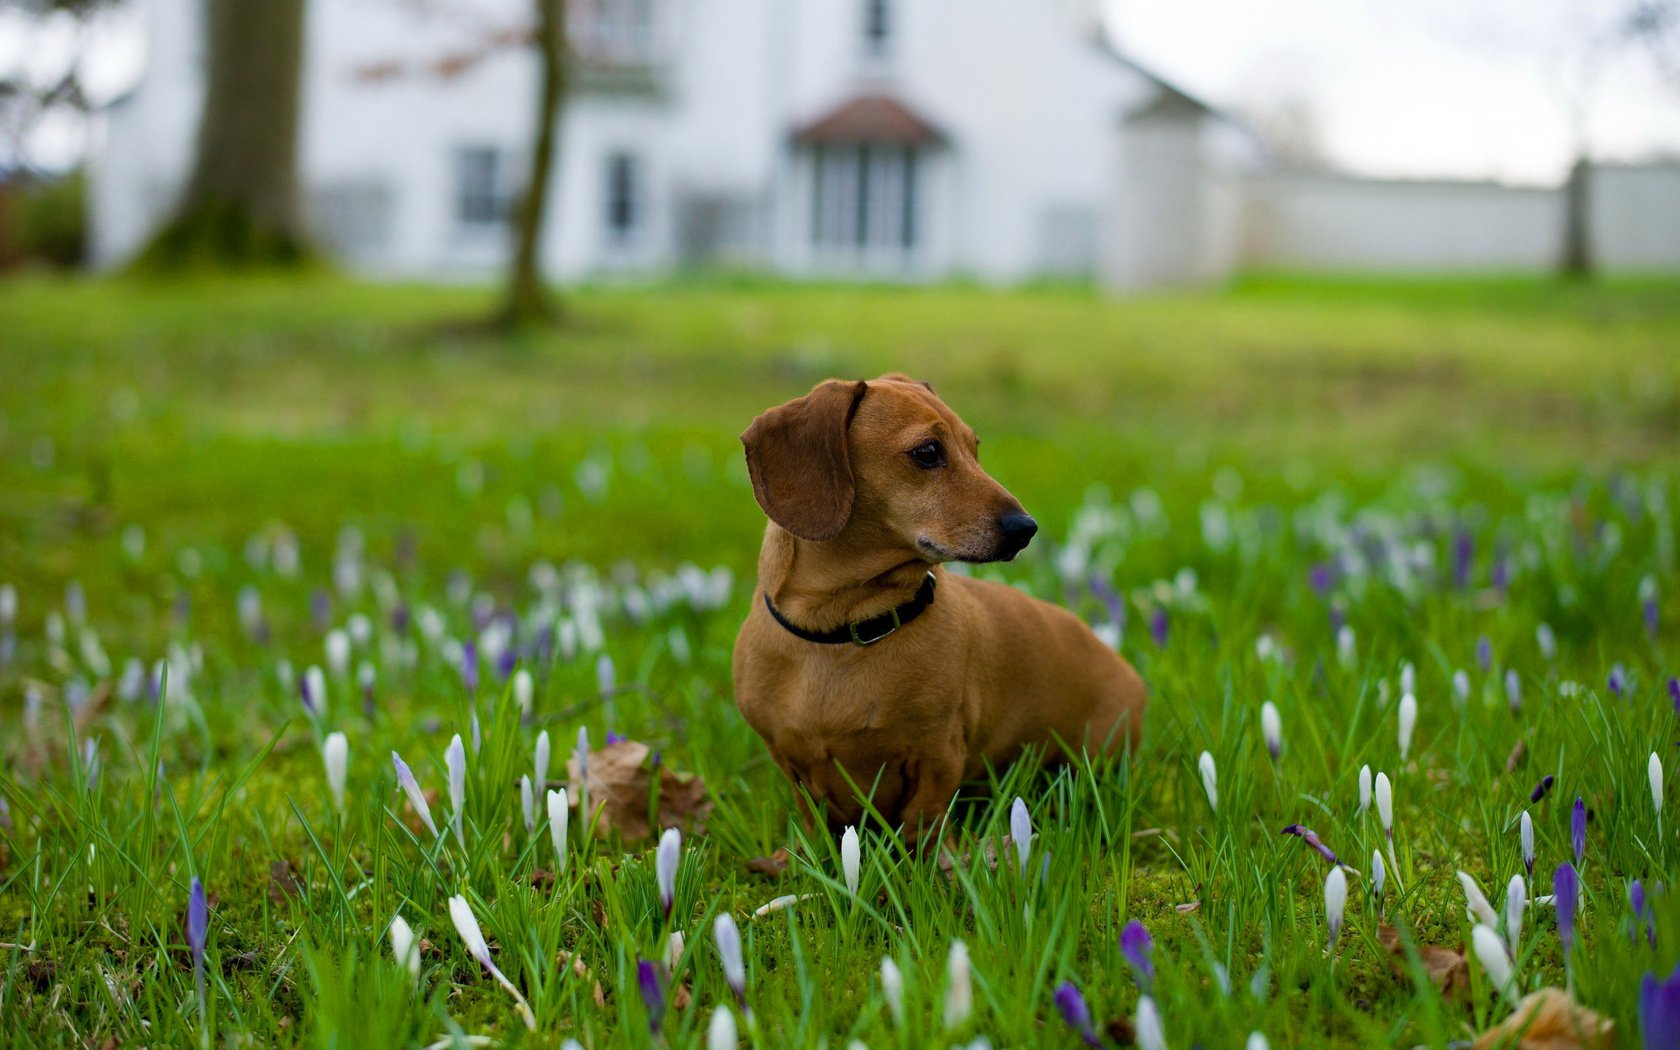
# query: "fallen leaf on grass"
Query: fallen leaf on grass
{"points": [[1447, 968], [781, 902], [582, 973], [620, 788], [1550, 1020], [773, 865]]}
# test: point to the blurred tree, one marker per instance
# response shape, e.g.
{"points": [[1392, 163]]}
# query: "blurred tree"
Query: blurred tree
{"points": [[1656, 25], [240, 207], [527, 300]]}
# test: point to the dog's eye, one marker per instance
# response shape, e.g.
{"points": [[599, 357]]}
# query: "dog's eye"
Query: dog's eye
{"points": [[929, 455]]}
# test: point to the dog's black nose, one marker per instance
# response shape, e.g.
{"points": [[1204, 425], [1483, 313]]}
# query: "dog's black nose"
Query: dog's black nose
{"points": [[1018, 531]]}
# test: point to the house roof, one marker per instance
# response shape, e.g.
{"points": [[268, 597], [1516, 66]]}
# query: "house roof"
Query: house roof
{"points": [[869, 118]]}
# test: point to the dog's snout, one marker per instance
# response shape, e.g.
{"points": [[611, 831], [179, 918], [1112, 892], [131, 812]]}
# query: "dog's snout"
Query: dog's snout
{"points": [[1018, 530]]}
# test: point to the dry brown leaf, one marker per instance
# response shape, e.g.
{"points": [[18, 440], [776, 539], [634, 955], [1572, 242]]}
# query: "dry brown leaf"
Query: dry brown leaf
{"points": [[1517, 757], [1447, 968], [282, 881], [582, 973], [773, 865], [620, 789], [1550, 1020]]}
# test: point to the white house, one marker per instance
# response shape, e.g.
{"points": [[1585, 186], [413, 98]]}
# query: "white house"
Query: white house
{"points": [[893, 139]]}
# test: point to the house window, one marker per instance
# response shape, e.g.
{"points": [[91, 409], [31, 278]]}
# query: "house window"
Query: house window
{"points": [[481, 196], [877, 27], [614, 32], [624, 197], [865, 198]]}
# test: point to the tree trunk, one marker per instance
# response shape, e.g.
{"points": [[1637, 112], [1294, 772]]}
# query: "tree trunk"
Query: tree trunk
{"points": [[240, 208], [1577, 262], [528, 301]]}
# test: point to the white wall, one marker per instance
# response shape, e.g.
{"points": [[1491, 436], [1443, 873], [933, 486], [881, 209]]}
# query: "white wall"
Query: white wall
{"points": [[1634, 216], [1333, 222]]}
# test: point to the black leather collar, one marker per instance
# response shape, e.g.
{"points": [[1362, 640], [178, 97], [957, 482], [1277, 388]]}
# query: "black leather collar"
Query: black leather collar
{"points": [[864, 632]]}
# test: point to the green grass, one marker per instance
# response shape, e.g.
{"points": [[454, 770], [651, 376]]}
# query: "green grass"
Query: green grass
{"points": [[1202, 454]]}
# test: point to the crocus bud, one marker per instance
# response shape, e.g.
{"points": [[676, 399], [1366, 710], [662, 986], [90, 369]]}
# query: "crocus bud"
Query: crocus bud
{"points": [[1335, 901], [1210, 779], [892, 986], [1490, 952], [1385, 805], [850, 857], [1566, 897], [466, 924], [1271, 728], [523, 691], [1526, 835], [1408, 722], [1146, 1024], [1257, 1041], [1364, 789], [721, 1034], [198, 929], [559, 815], [1578, 828], [1654, 770], [1546, 641], [1476, 902], [1138, 948], [1020, 831], [338, 653], [1071, 1005], [405, 949], [1516, 899], [1408, 678], [455, 757], [959, 988], [653, 994], [528, 804], [335, 756], [411, 788], [1379, 875], [1513, 690], [313, 688], [665, 867], [1461, 685]]}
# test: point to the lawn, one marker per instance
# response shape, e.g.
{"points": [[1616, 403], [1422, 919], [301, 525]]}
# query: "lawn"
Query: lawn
{"points": [[218, 499]]}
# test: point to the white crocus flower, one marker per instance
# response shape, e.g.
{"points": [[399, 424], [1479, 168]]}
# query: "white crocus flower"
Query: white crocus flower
{"points": [[1516, 898], [1344, 645], [1257, 1041], [850, 857], [559, 815], [1408, 723], [728, 938], [1476, 902], [1147, 1025], [1020, 830], [721, 1034], [674, 946], [1379, 874], [1384, 795], [316, 683], [1364, 790], [1525, 834], [466, 924], [335, 756], [665, 861], [455, 757], [338, 652], [892, 986], [528, 804], [405, 948], [959, 987], [416, 797], [1654, 771], [1490, 952], [1335, 901], [1210, 779], [540, 764], [523, 691], [1271, 728]]}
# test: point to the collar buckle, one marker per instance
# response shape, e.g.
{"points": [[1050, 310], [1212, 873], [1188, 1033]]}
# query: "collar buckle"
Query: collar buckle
{"points": [[859, 640]]}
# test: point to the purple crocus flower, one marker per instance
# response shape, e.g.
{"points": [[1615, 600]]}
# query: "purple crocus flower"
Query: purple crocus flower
{"points": [[1321, 578], [1578, 828], [505, 663], [1618, 682], [198, 926], [1674, 693], [320, 609], [1311, 838], [1484, 653], [469, 666], [1500, 574], [311, 703], [1642, 912], [653, 993], [1071, 1005], [399, 618], [1137, 946], [1566, 895], [1542, 789], [1158, 626], [1659, 1010], [1464, 554], [1105, 593]]}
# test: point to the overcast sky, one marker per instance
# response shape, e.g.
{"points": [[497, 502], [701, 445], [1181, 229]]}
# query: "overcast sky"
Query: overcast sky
{"points": [[1466, 88]]}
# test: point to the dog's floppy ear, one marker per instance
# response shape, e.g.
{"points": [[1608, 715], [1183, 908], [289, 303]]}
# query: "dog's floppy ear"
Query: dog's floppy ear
{"points": [[800, 467]]}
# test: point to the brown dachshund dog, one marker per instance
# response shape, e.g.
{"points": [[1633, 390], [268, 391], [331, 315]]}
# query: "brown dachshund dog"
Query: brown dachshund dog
{"points": [[867, 668]]}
